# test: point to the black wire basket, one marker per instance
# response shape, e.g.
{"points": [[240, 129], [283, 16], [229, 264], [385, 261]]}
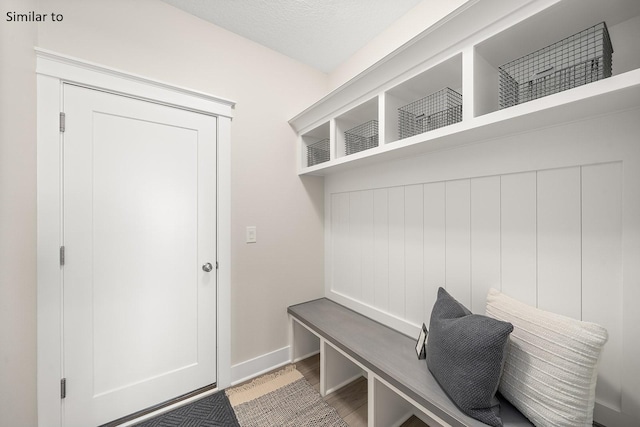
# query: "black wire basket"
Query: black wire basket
{"points": [[318, 152], [439, 109], [362, 137], [582, 58]]}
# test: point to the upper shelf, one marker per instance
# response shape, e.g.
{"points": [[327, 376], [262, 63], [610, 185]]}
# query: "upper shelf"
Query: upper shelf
{"points": [[617, 93], [489, 33]]}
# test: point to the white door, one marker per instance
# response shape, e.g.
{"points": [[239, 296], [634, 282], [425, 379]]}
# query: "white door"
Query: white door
{"points": [[139, 316]]}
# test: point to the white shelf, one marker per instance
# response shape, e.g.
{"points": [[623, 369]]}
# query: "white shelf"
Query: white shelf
{"points": [[470, 67]]}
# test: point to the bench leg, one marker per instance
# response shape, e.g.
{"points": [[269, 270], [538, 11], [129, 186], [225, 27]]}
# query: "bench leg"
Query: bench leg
{"points": [[291, 339], [371, 407]]}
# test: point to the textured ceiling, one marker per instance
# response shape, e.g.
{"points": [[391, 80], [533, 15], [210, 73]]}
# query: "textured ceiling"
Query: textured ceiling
{"points": [[320, 33]]}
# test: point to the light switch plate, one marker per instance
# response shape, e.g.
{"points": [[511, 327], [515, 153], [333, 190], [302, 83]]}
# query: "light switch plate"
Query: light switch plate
{"points": [[251, 234]]}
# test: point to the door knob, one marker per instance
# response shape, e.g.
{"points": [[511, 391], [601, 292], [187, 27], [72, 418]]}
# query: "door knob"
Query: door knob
{"points": [[207, 267]]}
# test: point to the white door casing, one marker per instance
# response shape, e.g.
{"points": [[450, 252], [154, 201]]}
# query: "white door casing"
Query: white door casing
{"points": [[139, 321], [53, 71]]}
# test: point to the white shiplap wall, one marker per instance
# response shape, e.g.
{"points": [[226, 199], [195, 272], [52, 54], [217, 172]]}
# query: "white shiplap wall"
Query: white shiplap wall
{"points": [[549, 217], [531, 234]]}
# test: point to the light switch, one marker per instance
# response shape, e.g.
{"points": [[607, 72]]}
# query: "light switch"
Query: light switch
{"points": [[251, 234]]}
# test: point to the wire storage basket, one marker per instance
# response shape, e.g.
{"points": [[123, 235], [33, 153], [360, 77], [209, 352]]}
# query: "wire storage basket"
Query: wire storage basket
{"points": [[439, 109], [318, 152], [362, 137], [577, 60]]}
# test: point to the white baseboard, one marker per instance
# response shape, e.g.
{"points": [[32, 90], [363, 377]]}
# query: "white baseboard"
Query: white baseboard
{"points": [[259, 365]]}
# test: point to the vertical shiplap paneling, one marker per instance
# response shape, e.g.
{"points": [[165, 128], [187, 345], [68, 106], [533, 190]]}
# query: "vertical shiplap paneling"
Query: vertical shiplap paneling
{"points": [[354, 253], [396, 252], [434, 244], [340, 241], [518, 234], [559, 242], [414, 257], [367, 240], [550, 238], [602, 269], [485, 240], [458, 240], [381, 248]]}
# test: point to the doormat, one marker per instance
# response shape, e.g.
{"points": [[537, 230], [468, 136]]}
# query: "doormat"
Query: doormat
{"points": [[284, 398], [210, 411]]}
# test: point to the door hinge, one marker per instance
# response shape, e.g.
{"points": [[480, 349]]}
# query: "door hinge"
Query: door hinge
{"points": [[63, 388], [61, 255], [216, 265], [62, 122]]}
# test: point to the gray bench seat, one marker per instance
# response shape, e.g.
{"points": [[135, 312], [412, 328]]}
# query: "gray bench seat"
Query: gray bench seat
{"points": [[389, 355]]}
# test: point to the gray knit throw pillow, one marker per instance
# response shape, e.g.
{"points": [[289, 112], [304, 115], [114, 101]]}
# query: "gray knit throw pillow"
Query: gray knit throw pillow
{"points": [[466, 354]]}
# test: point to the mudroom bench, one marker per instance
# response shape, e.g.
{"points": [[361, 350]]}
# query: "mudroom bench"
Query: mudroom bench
{"points": [[399, 385]]}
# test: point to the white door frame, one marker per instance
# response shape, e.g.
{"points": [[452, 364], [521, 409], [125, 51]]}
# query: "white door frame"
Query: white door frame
{"points": [[52, 71]]}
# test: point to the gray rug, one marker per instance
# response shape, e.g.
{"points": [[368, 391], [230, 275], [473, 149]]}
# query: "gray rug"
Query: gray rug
{"points": [[211, 411], [283, 399]]}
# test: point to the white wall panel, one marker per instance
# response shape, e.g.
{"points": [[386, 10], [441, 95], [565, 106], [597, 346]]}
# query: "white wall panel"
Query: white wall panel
{"points": [[485, 240], [458, 235], [396, 252], [434, 244], [630, 367], [381, 248], [550, 238], [602, 269], [519, 236], [414, 257], [340, 241], [559, 241], [353, 286], [367, 248]]}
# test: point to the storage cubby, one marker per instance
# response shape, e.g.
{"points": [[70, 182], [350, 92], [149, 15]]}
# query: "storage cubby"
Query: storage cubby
{"points": [[304, 343], [447, 74], [358, 121], [551, 26], [316, 146], [336, 370], [389, 409]]}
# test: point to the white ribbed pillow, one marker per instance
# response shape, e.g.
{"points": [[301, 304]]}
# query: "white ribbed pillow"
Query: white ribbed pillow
{"points": [[551, 368]]}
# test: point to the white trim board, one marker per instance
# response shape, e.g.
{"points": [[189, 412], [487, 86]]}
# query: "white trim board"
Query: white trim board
{"points": [[89, 74], [251, 368], [52, 71]]}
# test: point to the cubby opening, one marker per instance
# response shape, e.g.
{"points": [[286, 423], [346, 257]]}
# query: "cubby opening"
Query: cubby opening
{"points": [[425, 102], [304, 343], [316, 146], [563, 20], [340, 371], [357, 129]]}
